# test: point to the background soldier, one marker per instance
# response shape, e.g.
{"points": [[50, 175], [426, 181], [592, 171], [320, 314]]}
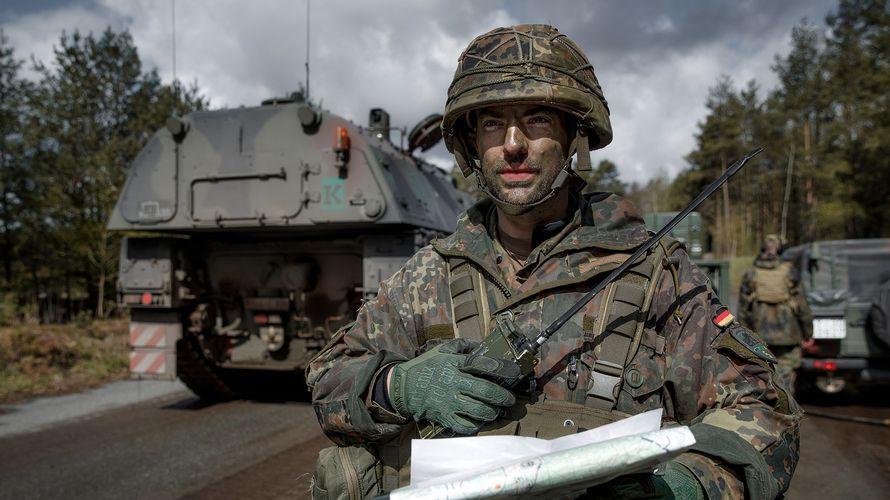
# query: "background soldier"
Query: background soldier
{"points": [[524, 99], [772, 302]]}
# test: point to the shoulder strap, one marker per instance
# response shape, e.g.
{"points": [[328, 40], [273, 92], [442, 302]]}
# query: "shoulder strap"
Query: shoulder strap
{"points": [[470, 312], [621, 323]]}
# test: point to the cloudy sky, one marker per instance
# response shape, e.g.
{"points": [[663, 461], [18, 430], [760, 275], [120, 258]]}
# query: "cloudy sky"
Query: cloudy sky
{"points": [[655, 59]]}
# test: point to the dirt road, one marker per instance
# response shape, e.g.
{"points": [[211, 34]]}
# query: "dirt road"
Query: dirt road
{"points": [[174, 447], [177, 447], [841, 459]]}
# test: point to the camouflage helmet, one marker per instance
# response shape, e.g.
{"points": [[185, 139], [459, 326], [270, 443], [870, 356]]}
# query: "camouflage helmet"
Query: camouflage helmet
{"points": [[525, 64]]}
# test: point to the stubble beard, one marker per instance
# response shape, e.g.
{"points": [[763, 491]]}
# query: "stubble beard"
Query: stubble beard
{"points": [[533, 191]]}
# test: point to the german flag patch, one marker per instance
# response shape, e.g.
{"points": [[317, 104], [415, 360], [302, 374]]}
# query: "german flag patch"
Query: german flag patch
{"points": [[723, 318]]}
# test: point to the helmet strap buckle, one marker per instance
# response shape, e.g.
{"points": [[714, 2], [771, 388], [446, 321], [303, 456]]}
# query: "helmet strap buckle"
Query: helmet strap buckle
{"points": [[582, 148], [462, 156]]}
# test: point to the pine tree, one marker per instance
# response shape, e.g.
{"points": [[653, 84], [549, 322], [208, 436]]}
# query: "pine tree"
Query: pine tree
{"points": [[96, 108], [858, 65], [13, 110], [719, 142], [604, 177]]}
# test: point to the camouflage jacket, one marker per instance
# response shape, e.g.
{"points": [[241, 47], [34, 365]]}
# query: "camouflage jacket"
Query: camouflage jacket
{"points": [[719, 381], [786, 322]]}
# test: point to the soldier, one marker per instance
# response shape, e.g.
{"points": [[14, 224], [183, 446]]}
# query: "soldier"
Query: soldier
{"points": [[525, 99], [772, 303]]}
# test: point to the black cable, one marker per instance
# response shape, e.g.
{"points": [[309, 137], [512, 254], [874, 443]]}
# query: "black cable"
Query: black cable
{"points": [[885, 422]]}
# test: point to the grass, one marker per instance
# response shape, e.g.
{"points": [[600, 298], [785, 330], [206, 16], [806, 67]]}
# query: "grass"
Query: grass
{"points": [[41, 360]]}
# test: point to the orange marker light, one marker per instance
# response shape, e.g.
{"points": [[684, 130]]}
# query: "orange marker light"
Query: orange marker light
{"points": [[341, 139], [341, 148]]}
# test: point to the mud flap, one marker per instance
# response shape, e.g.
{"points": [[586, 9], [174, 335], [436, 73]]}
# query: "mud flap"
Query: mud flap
{"points": [[153, 349]]}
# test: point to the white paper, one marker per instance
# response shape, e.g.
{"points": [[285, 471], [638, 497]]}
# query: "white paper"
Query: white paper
{"points": [[560, 474], [441, 460]]}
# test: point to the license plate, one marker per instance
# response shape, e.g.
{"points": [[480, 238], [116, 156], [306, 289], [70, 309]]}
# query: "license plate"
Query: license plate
{"points": [[829, 328]]}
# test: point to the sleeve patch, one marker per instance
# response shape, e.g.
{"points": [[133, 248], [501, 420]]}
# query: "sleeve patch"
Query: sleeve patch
{"points": [[723, 318], [750, 341]]}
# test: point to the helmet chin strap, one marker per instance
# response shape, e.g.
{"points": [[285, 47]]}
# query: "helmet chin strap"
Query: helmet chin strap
{"points": [[565, 178]]}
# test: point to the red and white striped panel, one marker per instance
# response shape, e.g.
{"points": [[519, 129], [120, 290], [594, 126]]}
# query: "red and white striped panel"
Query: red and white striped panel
{"points": [[148, 362], [148, 334]]}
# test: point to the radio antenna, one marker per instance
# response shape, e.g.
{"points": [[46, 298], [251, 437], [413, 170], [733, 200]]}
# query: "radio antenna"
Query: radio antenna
{"points": [[173, 35], [307, 50]]}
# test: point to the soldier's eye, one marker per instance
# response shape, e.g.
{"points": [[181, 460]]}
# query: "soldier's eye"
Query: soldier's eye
{"points": [[539, 120], [490, 123]]}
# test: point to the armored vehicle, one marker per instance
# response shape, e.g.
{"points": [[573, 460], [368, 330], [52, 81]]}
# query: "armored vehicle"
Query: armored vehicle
{"points": [[253, 234], [690, 231], [847, 283]]}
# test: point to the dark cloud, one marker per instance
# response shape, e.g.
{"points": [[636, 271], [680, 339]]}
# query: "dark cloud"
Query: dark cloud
{"points": [[661, 27], [15, 8], [655, 59]]}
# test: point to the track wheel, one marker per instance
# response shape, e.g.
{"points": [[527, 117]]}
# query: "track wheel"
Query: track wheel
{"points": [[199, 373]]}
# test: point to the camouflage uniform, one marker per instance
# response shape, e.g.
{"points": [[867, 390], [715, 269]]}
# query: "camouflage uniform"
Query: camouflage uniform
{"points": [[783, 323], [717, 380]]}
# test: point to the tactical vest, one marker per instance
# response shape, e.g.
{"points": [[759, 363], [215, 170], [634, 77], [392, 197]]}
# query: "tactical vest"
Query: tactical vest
{"points": [[619, 325], [772, 286]]}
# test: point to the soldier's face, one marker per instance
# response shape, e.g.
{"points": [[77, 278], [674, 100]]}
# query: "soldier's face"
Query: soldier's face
{"points": [[522, 148]]}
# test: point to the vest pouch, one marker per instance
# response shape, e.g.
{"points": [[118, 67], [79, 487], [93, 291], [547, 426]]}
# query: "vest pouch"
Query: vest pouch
{"points": [[550, 419], [771, 285], [395, 459], [644, 379], [345, 473]]}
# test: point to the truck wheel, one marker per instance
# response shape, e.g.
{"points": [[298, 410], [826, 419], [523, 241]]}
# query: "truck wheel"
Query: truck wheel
{"points": [[198, 373]]}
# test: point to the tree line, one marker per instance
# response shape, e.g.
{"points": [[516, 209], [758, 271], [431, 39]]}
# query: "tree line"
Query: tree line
{"points": [[67, 138], [825, 169]]}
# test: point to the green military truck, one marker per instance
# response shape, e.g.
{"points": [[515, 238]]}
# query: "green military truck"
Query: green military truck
{"points": [[253, 234], [691, 232], [847, 283]]}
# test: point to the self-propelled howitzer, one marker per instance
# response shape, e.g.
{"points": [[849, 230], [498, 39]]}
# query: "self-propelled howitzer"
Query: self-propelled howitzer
{"points": [[253, 234]]}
